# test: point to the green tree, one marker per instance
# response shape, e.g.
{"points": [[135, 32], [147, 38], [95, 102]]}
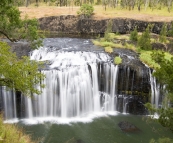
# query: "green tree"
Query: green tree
{"points": [[86, 10], [134, 35], [164, 74], [163, 33], [107, 36], [13, 27], [19, 74], [144, 41]]}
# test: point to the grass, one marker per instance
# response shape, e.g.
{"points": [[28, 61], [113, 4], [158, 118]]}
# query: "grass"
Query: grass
{"points": [[99, 12], [11, 134], [145, 57]]}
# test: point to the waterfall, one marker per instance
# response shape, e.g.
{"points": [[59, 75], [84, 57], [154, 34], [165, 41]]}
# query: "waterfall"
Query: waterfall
{"points": [[9, 103], [79, 84], [72, 85], [155, 90]]}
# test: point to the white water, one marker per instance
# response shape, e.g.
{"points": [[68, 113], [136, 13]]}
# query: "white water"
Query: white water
{"points": [[9, 101], [72, 86], [155, 91]]}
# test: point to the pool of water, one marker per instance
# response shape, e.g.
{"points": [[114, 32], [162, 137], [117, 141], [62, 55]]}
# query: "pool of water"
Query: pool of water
{"points": [[100, 130]]}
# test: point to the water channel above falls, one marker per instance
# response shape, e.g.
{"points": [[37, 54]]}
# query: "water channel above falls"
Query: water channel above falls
{"points": [[86, 89]]}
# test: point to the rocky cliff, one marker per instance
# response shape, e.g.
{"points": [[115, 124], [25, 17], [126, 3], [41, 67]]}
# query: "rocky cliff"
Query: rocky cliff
{"points": [[71, 24]]}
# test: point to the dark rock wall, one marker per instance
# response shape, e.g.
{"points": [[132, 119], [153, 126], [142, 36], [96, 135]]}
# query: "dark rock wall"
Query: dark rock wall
{"points": [[71, 24]]}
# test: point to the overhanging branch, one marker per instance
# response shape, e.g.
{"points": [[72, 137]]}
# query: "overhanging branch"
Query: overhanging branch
{"points": [[6, 35]]}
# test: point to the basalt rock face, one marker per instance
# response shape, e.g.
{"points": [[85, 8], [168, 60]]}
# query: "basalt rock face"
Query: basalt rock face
{"points": [[21, 49], [71, 24]]}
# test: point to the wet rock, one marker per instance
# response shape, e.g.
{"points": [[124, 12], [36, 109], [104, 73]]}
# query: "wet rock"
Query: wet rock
{"points": [[127, 127], [21, 49]]}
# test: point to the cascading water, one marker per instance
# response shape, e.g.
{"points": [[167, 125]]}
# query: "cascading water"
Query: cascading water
{"points": [[155, 91], [72, 85], [78, 84], [9, 102]]}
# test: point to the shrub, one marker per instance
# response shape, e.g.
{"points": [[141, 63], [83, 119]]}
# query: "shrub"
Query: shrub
{"points": [[107, 35], [86, 10], [117, 60], [144, 41], [108, 49], [163, 33], [134, 35]]}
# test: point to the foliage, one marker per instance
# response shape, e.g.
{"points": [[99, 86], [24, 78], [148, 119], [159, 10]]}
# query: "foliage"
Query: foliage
{"points": [[14, 28], [117, 60], [161, 140], [108, 49], [11, 134], [107, 35], [163, 33], [86, 10], [170, 31], [134, 35], [145, 57], [20, 74], [144, 41], [164, 74]]}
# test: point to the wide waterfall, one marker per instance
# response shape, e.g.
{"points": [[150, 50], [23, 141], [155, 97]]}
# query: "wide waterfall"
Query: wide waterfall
{"points": [[80, 83], [72, 85]]}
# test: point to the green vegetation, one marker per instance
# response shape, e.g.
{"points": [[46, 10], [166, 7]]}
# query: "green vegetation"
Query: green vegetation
{"points": [[11, 134], [144, 41], [134, 35], [86, 10], [108, 36], [161, 140], [108, 49], [20, 74], [132, 5], [14, 28], [163, 33], [117, 60]]}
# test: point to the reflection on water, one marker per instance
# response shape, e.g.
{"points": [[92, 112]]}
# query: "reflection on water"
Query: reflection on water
{"points": [[100, 130]]}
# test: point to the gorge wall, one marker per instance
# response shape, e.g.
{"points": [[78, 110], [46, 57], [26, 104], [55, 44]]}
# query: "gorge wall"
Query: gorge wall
{"points": [[71, 24]]}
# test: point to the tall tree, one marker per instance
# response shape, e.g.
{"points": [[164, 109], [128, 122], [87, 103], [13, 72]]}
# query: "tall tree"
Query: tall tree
{"points": [[20, 74], [13, 27]]}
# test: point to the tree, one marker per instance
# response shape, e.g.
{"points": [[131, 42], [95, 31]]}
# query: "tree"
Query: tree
{"points": [[164, 75], [163, 33], [134, 35], [144, 41], [13, 27], [19, 74], [86, 10]]}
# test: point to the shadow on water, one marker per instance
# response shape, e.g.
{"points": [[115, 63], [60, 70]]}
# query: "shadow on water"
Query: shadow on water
{"points": [[100, 130]]}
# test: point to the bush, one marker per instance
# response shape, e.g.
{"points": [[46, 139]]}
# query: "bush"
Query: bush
{"points": [[134, 35], [163, 33], [107, 35], [86, 10], [108, 49], [117, 60], [144, 41]]}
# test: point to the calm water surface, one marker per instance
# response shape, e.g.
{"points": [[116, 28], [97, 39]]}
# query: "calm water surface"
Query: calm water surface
{"points": [[100, 130]]}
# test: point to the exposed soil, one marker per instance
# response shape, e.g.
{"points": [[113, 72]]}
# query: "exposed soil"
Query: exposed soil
{"points": [[99, 13]]}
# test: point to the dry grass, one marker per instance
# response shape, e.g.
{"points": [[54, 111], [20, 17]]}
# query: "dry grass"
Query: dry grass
{"points": [[99, 13]]}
